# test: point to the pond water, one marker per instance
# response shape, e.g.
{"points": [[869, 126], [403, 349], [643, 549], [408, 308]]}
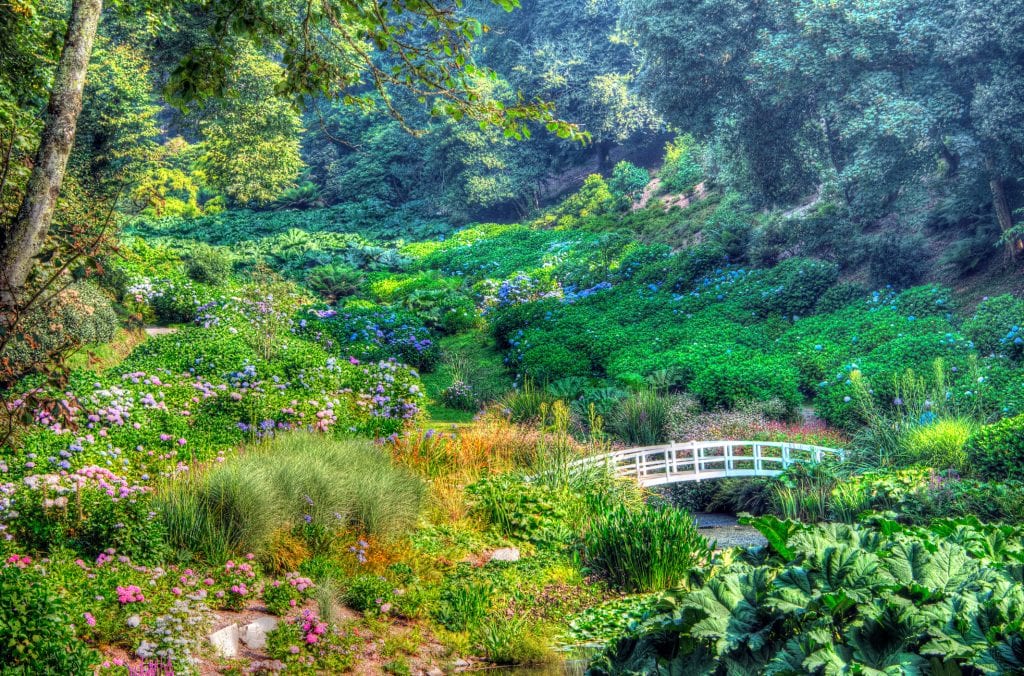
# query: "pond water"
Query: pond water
{"points": [[575, 666]]}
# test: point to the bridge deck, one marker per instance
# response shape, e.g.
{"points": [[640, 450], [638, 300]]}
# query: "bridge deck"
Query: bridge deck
{"points": [[699, 460]]}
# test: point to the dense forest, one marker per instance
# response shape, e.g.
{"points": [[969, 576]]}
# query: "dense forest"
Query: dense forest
{"points": [[422, 336]]}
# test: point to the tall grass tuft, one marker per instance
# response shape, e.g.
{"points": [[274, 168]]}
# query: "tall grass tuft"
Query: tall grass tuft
{"points": [[310, 484], [524, 404], [645, 549], [940, 444], [641, 418]]}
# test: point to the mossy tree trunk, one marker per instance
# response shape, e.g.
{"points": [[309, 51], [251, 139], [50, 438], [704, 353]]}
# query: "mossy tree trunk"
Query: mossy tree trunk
{"points": [[24, 236]]}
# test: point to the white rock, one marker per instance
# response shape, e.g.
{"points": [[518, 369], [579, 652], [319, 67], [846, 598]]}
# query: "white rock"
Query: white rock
{"points": [[225, 641], [508, 554], [255, 633], [434, 671]]}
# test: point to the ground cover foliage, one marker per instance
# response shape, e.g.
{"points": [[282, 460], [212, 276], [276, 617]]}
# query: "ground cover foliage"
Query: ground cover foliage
{"points": [[218, 466], [332, 296]]}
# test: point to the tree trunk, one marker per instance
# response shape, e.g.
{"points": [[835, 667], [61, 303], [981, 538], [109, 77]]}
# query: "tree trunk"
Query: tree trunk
{"points": [[1001, 206], [24, 236], [604, 149], [951, 159]]}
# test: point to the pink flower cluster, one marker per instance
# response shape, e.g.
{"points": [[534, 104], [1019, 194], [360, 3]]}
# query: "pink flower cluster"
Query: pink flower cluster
{"points": [[19, 561], [130, 594], [301, 584], [312, 626]]}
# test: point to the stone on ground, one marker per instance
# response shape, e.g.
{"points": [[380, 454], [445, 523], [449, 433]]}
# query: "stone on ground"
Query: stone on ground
{"points": [[225, 641], [508, 554], [255, 633]]}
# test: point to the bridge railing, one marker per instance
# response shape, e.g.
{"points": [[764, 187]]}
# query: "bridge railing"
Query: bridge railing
{"points": [[698, 460]]}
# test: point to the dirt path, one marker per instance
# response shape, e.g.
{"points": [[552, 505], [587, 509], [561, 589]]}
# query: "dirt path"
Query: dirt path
{"points": [[153, 331]]}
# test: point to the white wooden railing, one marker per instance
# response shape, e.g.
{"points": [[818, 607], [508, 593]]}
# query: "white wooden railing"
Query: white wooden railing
{"points": [[699, 460]]}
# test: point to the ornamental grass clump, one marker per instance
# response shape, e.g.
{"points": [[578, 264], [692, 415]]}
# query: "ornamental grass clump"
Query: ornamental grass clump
{"points": [[311, 484], [645, 549], [939, 444], [640, 420]]}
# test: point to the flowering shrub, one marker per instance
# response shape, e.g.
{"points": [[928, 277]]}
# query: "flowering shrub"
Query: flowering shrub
{"points": [[522, 288], [174, 301], [235, 584], [307, 644], [91, 508], [281, 596], [460, 395], [176, 636], [373, 334]]}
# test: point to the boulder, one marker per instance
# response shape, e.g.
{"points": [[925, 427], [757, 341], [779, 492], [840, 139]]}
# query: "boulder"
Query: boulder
{"points": [[225, 641], [508, 554], [255, 633]]}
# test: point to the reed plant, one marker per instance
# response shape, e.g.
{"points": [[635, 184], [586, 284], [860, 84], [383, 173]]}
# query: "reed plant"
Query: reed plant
{"points": [[645, 549]]}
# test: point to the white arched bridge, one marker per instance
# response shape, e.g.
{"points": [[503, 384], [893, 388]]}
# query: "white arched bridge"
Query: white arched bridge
{"points": [[699, 460]]}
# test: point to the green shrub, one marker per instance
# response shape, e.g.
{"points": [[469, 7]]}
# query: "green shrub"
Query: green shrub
{"points": [[996, 325], [334, 281], [208, 265], [447, 311], [369, 593], [793, 287], [463, 604], [640, 419], [898, 260], [521, 510], [644, 549], [628, 182], [687, 267], [729, 380], [839, 296], [939, 444], [925, 301], [37, 625], [997, 451], [79, 315], [313, 484], [681, 168]]}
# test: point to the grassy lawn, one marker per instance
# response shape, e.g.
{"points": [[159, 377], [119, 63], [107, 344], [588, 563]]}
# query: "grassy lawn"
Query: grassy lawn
{"points": [[474, 358]]}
